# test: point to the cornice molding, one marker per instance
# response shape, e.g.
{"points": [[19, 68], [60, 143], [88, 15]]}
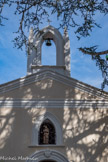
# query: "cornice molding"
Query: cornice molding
{"points": [[53, 103], [54, 76]]}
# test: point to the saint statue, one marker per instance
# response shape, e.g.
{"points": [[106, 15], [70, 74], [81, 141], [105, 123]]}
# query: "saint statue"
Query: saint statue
{"points": [[45, 134]]}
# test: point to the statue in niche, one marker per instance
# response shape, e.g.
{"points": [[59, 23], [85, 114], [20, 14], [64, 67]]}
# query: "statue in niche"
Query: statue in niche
{"points": [[45, 134]]}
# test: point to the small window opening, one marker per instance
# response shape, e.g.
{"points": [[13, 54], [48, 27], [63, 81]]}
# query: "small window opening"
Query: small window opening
{"points": [[48, 54], [47, 133]]}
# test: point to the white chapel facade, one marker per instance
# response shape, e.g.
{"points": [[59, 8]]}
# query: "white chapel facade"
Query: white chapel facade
{"points": [[47, 116]]}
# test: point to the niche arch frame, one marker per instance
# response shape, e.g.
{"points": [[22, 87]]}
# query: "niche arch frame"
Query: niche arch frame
{"points": [[36, 129], [47, 155]]}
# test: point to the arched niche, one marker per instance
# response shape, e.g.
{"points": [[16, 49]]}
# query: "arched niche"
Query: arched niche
{"points": [[47, 133], [37, 125], [48, 156]]}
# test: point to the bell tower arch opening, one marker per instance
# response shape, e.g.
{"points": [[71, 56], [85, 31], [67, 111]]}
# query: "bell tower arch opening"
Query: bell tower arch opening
{"points": [[52, 39], [56, 59], [48, 56]]}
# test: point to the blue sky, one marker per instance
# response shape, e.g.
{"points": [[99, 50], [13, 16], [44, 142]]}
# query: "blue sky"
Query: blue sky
{"points": [[13, 62]]}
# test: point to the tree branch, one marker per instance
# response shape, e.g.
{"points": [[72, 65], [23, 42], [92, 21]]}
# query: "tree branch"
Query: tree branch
{"points": [[32, 5], [93, 53]]}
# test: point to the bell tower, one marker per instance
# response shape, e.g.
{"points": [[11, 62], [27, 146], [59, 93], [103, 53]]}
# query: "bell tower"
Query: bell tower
{"points": [[62, 44]]}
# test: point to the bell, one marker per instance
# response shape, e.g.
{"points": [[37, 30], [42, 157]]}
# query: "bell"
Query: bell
{"points": [[106, 57], [48, 42]]}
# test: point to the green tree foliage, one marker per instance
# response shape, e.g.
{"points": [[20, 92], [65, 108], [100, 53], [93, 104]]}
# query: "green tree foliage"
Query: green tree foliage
{"points": [[33, 12]]}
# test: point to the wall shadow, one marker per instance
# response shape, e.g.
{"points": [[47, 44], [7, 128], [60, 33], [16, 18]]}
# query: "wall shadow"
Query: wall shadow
{"points": [[85, 130]]}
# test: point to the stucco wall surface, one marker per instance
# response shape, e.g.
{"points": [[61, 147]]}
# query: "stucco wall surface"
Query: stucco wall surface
{"points": [[85, 136], [82, 115]]}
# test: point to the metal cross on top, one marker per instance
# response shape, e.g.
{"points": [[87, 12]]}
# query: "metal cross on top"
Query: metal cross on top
{"points": [[49, 21]]}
